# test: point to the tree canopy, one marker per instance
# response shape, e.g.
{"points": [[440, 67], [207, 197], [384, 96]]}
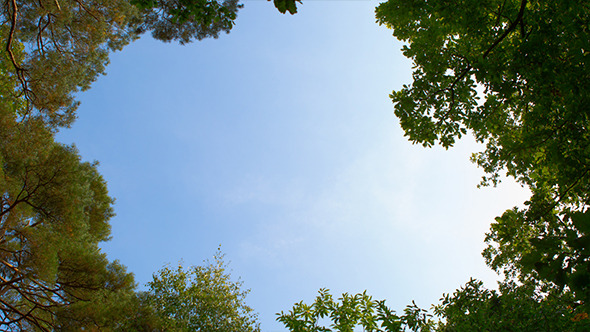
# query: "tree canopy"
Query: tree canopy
{"points": [[200, 298], [512, 307], [514, 74], [57, 48], [186, 20], [54, 211]]}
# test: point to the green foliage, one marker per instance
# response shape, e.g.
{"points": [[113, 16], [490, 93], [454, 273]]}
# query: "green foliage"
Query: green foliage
{"points": [[200, 298], [138, 315], [351, 311], [185, 20], [56, 48], [513, 307], [514, 74], [549, 249], [54, 212], [286, 6], [105, 303], [188, 20]]}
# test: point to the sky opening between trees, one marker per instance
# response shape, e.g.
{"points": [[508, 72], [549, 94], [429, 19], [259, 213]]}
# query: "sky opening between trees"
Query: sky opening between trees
{"points": [[266, 127]]}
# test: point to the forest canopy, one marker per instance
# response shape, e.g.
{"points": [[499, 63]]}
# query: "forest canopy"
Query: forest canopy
{"points": [[511, 73]]}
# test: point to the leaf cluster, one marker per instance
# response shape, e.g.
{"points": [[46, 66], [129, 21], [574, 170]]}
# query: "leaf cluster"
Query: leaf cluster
{"points": [[186, 20], [351, 311], [286, 6]]}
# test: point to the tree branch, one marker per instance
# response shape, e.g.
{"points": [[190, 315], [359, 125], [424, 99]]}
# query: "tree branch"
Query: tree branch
{"points": [[512, 26]]}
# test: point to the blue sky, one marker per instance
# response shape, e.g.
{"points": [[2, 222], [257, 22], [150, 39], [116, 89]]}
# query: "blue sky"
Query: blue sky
{"points": [[279, 143]]}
